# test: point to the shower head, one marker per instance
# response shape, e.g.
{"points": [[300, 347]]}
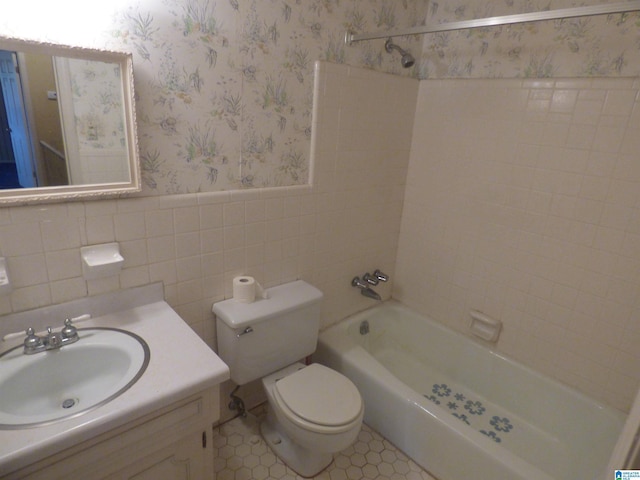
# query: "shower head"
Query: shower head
{"points": [[407, 59]]}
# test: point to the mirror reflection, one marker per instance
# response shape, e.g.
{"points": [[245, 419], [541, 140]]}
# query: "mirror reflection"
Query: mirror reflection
{"points": [[62, 121]]}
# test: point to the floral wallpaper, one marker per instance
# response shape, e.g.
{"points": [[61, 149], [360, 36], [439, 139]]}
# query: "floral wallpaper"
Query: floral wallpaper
{"points": [[604, 45], [225, 86]]}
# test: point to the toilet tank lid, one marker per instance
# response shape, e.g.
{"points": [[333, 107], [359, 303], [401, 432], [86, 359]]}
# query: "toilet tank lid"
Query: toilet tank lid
{"points": [[281, 299]]}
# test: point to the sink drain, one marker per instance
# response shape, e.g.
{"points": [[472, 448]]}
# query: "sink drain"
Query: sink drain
{"points": [[69, 402]]}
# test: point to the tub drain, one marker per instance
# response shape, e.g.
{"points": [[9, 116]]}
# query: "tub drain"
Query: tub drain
{"points": [[69, 402]]}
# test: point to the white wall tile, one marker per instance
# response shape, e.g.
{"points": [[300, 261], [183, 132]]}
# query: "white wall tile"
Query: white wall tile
{"points": [[68, 289], [557, 209], [28, 270], [63, 264], [234, 213], [21, 239], [99, 229], [159, 223], [30, 297], [211, 216], [129, 226], [61, 233], [161, 249]]}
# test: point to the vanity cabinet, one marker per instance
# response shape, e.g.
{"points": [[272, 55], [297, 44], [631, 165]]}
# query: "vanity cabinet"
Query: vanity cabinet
{"points": [[173, 443]]}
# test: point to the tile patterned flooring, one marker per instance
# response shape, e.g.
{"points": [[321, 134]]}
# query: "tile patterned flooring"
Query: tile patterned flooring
{"points": [[240, 453]]}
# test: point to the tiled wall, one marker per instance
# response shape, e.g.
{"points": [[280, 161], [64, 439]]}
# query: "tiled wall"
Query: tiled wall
{"points": [[344, 225], [523, 201]]}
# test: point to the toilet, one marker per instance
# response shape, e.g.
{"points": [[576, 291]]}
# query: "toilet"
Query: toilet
{"points": [[313, 411]]}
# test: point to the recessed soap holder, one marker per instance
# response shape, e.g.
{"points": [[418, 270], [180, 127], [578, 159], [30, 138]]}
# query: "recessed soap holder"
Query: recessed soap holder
{"points": [[485, 327], [99, 261]]}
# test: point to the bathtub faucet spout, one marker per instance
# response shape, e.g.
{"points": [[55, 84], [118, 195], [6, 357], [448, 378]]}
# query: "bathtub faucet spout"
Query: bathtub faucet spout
{"points": [[365, 289]]}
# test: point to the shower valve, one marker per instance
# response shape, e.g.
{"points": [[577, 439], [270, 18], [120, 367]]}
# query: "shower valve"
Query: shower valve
{"points": [[382, 277], [370, 279]]}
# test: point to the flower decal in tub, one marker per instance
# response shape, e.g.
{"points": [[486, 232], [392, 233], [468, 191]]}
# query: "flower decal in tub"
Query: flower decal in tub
{"points": [[501, 424], [492, 435], [433, 398], [462, 417], [484, 417], [441, 390], [474, 408]]}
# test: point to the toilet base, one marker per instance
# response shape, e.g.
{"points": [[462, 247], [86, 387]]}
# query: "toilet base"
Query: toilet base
{"points": [[301, 460]]}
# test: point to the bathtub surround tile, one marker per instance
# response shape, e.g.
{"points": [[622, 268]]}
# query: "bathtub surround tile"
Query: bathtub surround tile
{"points": [[241, 453], [553, 259]]}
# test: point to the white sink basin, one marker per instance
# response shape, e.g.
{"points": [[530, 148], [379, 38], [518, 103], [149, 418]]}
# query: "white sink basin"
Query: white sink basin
{"points": [[50, 386]]}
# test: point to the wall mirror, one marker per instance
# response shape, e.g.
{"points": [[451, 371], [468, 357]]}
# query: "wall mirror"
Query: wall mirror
{"points": [[67, 123]]}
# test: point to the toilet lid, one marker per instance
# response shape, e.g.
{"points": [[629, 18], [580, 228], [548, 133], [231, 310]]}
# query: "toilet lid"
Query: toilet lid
{"points": [[320, 395]]}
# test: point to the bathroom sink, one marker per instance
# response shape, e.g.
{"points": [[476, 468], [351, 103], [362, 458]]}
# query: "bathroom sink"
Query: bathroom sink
{"points": [[55, 385]]}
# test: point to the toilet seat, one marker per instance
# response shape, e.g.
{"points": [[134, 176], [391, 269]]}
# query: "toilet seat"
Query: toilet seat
{"points": [[319, 399]]}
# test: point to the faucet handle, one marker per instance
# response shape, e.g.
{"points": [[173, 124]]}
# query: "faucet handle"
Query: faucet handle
{"points": [[381, 276], [31, 341], [69, 330], [370, 279]]}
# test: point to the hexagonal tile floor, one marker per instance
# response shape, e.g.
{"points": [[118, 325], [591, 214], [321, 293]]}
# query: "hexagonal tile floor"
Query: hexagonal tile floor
{"points": [[240, 453]]}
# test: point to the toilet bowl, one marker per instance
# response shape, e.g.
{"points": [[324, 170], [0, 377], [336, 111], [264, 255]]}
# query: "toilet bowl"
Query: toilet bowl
{"points": [[313, 412]]}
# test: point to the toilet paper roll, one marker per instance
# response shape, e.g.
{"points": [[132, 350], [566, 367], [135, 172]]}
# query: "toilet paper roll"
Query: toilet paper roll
{"points": [[244, 289]]}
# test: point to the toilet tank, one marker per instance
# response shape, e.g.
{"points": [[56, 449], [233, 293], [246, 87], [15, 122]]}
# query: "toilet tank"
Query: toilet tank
{"points": [[259, 338]]}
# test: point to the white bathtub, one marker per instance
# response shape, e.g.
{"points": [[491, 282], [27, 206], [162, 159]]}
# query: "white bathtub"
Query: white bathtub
{"points": [[462, 411]]}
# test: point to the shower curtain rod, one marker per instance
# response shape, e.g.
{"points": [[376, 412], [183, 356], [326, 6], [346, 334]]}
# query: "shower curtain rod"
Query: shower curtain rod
{"points": [[606, 9]]}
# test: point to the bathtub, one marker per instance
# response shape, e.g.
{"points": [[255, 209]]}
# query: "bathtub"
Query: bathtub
{"points": [[462, 411]]}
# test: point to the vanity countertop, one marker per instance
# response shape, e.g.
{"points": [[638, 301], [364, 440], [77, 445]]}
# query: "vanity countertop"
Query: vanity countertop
{"points": [[181, 364]]}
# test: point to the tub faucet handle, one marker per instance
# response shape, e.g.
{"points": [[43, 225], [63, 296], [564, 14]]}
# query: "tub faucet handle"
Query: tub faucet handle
{"points": [[356, 282], [383, 277], [370, 279]]}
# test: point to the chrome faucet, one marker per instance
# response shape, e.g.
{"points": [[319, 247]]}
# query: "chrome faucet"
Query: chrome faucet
{"points": [[52, 340], [367, 280]]}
